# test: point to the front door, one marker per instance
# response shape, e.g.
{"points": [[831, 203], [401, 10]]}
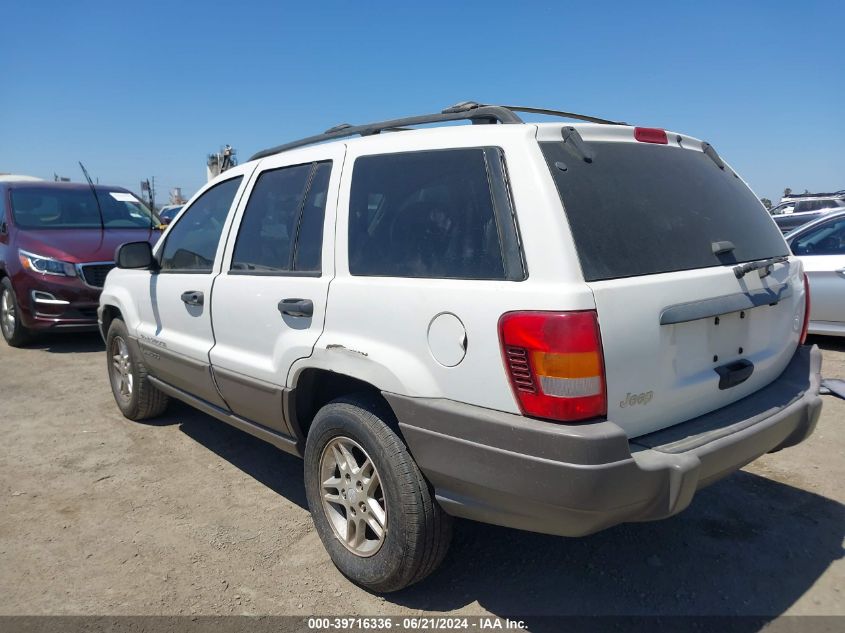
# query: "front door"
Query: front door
{"points": [[269, 300], [175, 332]]}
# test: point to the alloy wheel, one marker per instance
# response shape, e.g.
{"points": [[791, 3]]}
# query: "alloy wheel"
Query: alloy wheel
{"points": [[7, 313], [121, 370], [352, 495]]}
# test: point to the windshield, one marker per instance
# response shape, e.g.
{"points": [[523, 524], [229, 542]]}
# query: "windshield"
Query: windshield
{"points": [[170, 212], [43, 208], [641, 209]]}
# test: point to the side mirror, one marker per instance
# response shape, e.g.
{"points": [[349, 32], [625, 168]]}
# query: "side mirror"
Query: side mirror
{"points": [[136, 255]]}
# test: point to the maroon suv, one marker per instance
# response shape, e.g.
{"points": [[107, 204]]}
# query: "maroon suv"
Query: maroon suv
{"points": [[57, 244]]}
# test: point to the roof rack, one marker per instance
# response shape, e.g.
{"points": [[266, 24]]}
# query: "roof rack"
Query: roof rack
{"points": [[465, 111], [800, 196], [562, 113]]}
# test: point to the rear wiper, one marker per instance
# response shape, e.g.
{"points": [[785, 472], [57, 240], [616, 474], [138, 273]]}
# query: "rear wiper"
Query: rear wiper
{"points": [[762, 264]]}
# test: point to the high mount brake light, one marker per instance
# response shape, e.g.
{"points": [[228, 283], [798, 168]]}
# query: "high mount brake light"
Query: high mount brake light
{"points": [[651, 135], [806, 324], [555, 364]]}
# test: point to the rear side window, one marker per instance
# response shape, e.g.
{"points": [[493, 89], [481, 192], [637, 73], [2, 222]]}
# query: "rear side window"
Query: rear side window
{"points": [[282, 226], [641, 209], [443, 214], [192, 242], [814, 205]]}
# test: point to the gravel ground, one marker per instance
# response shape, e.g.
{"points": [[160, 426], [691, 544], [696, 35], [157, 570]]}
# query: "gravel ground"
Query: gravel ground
{"points": [[184, 515]]}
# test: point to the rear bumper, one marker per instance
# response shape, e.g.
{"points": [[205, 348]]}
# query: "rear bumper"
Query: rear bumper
{"points": [[573, 480]]}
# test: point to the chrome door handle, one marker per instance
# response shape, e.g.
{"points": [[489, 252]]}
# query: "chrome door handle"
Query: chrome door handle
{"points": [[193, 298]]}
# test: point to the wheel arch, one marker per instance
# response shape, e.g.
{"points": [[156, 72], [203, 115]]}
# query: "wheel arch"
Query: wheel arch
{"points": [[118, 300], [108, 314], [315, 387]]}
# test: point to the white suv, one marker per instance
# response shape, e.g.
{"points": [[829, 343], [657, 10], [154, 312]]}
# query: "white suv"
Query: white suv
{"points": [[551, 327]]}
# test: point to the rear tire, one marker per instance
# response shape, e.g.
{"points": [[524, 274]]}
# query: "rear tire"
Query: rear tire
{"points": [[416, 531], [136, 397], [14, 332]]}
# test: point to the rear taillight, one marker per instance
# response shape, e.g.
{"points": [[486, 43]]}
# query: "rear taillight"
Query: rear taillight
{"points": [[806, 325], [651, 135], [555, 364]]}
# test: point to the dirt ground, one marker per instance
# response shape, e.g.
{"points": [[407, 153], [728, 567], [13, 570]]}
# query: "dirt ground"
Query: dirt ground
{"points": [[184, 515]]}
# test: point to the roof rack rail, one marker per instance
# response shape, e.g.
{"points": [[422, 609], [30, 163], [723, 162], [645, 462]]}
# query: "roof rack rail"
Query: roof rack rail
{"points": [[466, 110], [799, 196], [562, 113]]}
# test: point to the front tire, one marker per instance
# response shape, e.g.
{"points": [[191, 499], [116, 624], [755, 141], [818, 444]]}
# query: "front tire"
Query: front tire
{"points": [[372, 508], [135, 396], [13, 330]]}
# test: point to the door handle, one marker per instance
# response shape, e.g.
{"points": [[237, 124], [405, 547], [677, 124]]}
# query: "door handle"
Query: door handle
{"points": [[192, 298], [297, 307]]}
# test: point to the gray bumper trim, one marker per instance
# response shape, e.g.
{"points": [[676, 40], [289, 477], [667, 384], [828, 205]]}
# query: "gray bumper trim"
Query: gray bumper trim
{"points": [[573, 480]]}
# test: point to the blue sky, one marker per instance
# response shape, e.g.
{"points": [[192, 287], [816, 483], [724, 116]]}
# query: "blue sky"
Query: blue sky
{"points": [[145, 89]]}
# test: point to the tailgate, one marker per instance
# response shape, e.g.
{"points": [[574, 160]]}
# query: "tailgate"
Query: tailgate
{"points": [[662, 373], [661, 224]]}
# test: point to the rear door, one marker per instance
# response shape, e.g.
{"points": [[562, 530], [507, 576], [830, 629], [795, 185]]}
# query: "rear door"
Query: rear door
{"points": [[659, 229], [269, 302], [822, 250], [175, 331]]}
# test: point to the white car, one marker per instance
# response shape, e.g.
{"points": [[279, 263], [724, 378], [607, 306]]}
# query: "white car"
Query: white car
{"points": [[820, 246], [796, 212], [552, 327]]}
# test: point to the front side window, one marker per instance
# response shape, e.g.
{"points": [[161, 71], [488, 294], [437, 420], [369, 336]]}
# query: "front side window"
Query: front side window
{"points": [[36, 207], [443, 214], [282, 226], [192, 242], [826, 239]]}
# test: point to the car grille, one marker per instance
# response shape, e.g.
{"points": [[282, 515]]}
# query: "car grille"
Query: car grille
{"points": [[95, 274]]}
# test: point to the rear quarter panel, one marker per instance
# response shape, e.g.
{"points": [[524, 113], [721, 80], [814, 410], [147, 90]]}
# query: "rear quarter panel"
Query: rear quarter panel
{"points": [[377, 328]]}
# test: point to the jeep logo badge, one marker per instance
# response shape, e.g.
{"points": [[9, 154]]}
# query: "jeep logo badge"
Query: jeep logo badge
{"points": [[636, 398]]}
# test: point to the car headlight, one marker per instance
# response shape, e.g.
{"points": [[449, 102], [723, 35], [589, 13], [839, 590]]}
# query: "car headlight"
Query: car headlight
{"points": [[46, 265]]}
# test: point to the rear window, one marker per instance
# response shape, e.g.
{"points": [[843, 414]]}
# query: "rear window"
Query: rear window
{"points": [[640, 209]]}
